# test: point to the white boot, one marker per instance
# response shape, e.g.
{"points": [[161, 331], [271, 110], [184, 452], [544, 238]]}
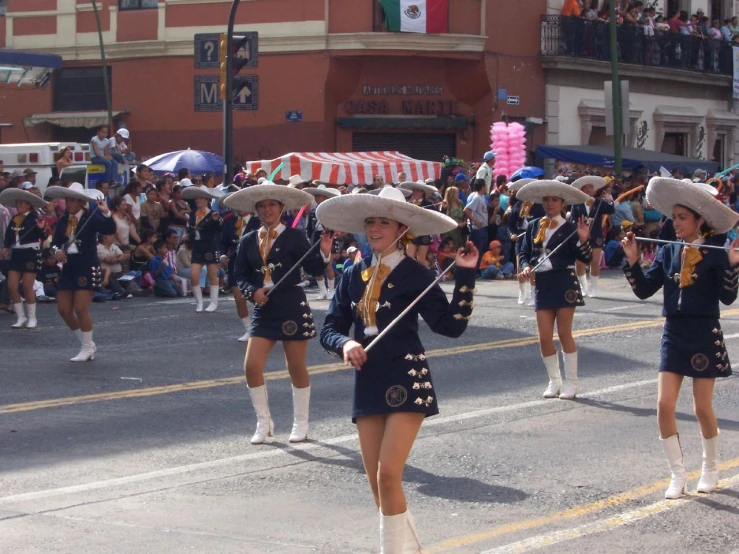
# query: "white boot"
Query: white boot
{"points": [[32, 321], [583, 284], [322, 291], [301, 407], [529, 294], [679, 484], [569, 387], [78, 334], [412, 541], [21, 315], [522, 292], [88, 348], [247, 328], [331, 291], [393, 530], [551, 363], [265, 427], [213, 306], [593, 292], [197, 293], [709, 470]]}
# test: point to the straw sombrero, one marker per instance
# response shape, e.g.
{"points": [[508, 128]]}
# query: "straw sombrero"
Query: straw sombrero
{"points": [[516, 185], [663, 194], [247, 199], [8, 197], [322, 190], [193, 192], [411, 185], [75, 191], [597, 182], [348, 212], [406, 192], [537, 190]]}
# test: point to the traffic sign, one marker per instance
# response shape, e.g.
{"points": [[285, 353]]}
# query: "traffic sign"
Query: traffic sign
{"points": [[250, 51], [206, 51], [207, 98], [295, 116]]}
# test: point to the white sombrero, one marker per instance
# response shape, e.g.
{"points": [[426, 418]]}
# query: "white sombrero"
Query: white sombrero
{"points": [[410, 185], [193, 192], [406, 192], [75, 191], [348, 212], [322, 190], [537, 190], [8, 197], [246, 200], [597, 182], [516, 186], [295, 180], [663, 194]]}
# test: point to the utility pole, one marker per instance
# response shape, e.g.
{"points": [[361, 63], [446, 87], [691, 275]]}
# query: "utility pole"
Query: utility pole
{"points": [[616, 88], [228, 150], [106, 84]]}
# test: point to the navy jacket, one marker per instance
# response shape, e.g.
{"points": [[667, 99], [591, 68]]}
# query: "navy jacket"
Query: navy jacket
{"points": [[28, 232], [229, 240], [404, 284], [713, 281], [209, 230], [515, 220], [86, 240], [600, 208], [286, 250], [531, 253]]}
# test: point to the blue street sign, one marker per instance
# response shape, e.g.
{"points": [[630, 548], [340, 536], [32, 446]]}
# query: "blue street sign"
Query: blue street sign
{"points": [[207, 98], [206, 51], [295, 116]]}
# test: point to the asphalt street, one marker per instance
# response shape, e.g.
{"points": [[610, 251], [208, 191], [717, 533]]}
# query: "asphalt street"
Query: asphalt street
{"points": [[146, 449]]}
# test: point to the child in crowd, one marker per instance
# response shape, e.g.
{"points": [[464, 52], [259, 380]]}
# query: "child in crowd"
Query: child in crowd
{"points": [[492, 266], [49, 273], [165, 282], [446, 257], [614, 251]]}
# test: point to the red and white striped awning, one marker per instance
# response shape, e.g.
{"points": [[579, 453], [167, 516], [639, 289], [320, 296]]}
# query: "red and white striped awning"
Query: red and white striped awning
{"points": [[341, 168]]}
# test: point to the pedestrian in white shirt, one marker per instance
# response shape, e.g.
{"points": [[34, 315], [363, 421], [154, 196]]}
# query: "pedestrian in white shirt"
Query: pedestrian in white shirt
{"points": [[485, 172]]}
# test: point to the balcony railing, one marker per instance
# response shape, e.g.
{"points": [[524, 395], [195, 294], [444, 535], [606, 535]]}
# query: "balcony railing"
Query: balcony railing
{"points": [[580, 38]]}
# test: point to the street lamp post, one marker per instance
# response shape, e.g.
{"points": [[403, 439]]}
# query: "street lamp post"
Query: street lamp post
{"points": [[228, 150], [106, 84], [616, 87]]}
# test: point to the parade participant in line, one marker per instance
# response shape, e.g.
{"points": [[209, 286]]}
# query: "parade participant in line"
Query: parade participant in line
{"points": [[320, 192], [556, 289], [393, 390], [204, 230], [234, 229], [75, 245], [521, 214], [24, 235], [599, 205], [419, 246], [280, 313], [694, 279]]}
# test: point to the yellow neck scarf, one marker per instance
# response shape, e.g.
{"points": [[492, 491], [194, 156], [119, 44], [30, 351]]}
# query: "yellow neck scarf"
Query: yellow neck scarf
{"points": [[367, 306], [71, 225], [545, 224], [265, 245], [526, 209], [690, 257], [200, 214]]}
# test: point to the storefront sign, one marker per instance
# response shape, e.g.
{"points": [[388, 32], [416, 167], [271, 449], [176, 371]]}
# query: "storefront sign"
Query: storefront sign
{"points": [[406, 107], [401, 90]]}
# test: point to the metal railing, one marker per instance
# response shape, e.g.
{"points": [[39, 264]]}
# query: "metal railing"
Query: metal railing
{"points": [[580, 38]]}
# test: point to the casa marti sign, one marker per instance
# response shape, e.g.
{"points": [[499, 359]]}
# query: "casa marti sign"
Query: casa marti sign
{"points": [[405, 106]]}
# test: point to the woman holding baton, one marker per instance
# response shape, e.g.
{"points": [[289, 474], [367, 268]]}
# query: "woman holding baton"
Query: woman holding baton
{"points": [[393, 390], [695, 279]]}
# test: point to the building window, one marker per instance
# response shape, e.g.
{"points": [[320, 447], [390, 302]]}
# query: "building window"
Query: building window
{"points": [[137, 4], [80, 89], [674, 143], [3, 6]]}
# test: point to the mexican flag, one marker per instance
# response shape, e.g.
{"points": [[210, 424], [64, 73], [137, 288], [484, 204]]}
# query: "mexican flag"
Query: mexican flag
{"points": [[417, 16]]}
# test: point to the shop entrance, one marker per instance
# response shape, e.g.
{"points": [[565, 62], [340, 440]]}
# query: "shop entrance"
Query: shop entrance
{"points": [[421, 146]]}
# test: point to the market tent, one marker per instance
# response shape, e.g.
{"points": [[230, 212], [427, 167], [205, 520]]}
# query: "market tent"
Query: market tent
{"points": [[339, 168], [602, 156]]}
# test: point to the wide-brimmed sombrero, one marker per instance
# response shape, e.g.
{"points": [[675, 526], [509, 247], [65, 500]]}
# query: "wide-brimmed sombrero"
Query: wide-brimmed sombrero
{"points": [[246, 200], [597, 182], [663, 194], [536, 191], [75, 191], [322, 190], [8, 197], [193, 192], [348, 212], [411, 185], [516, 185], [406, 192]]}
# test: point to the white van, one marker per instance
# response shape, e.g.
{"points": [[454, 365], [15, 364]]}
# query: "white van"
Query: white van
{"points": [[41, 157]]}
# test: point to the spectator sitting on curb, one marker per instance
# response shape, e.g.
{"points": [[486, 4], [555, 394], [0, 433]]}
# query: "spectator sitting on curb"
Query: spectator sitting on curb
{"points": [[49, 273], [492, 265], [165, 282], [111, 257]]}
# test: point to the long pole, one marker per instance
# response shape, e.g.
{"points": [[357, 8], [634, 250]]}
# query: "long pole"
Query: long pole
{"points": [[711, 246], [615, 86], [106, 84], [228, 149]]}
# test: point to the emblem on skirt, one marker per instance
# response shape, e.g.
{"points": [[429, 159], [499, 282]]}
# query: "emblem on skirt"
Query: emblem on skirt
{"points": [[396, 396], [82, 281], [208, 256], [31, 266], [290, 328], [699, 362], [571, 296]]}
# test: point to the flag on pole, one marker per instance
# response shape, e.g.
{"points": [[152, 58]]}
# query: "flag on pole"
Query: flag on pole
{"points": [[417, 16]]}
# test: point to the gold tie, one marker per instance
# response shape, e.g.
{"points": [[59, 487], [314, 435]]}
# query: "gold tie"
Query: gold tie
{"points": [[71, 225], [265, 244], [691, 257], [545, 224], [239, 227], [18, 220], [590, 202], [199, 215], [526, 209], [367, 306]]}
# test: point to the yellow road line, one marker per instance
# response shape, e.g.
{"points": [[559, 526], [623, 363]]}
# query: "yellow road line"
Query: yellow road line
{"points": [[570, 513], [313, 370]]}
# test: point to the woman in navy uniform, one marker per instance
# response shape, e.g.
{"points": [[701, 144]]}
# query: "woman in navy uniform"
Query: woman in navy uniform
{"points": [[234, 228], [24, 235], [519, 217], [204, 234], [393, 390], [556, 289], [320, 193], [694, 280], [419, 246], [593, 210], [264, 257], [74, 244]]}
